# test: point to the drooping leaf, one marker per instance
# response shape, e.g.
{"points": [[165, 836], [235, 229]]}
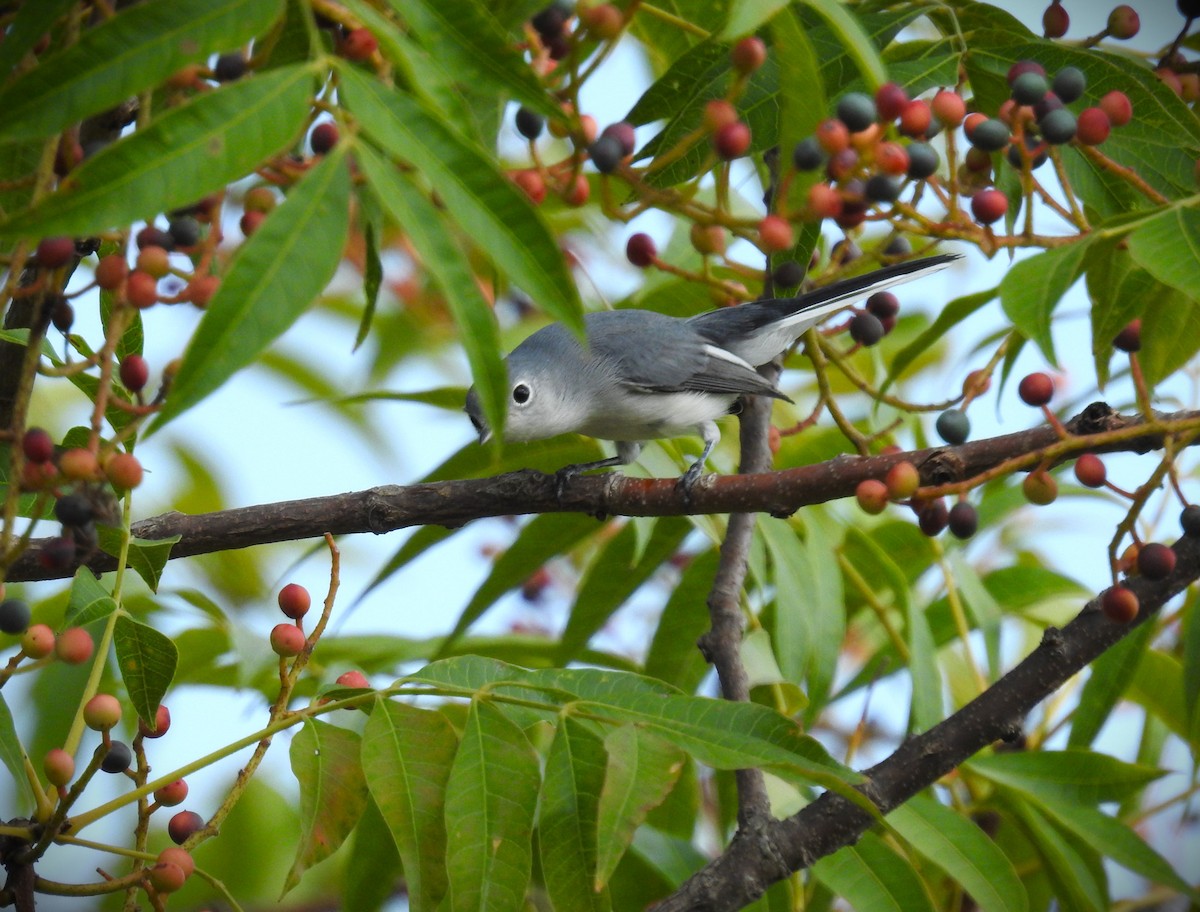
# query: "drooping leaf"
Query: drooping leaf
{"points": [[88, 600], [674, 656], [12, 755], [1032, 288], [870, 875], [147, 660], [1110, 675], [1079, 776]]}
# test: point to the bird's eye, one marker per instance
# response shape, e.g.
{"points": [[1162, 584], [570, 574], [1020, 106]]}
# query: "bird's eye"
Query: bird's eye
{"points": [[520, 394]]}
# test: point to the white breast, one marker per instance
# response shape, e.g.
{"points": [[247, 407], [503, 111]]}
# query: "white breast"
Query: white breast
{"points": [[646, 416]]}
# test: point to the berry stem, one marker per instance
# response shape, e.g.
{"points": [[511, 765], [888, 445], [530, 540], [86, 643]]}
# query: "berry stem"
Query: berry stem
{"points": [[1078, 219], [1099, 158], [671, 19]]}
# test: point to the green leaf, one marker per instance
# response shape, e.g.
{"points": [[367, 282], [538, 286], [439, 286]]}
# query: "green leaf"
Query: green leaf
{"points": [[1170, 332], [870, 875], [466, 36], [673, 656], [12, 754], [147, 661], [642, 770], [1111, 674], [373, 868], [950, 316], [451, 269], [88, 600], [1158, 686], [567, 818], [963, 851], [853, 38], [746, 16], [333, 792], [1032, 288], [372, 281], [1119, 290], [614, 576], [1168, 247], [189, 151], [802, 101], [1080, 776], [1075, 882], [273, 279], [31, 22], [490, 800], [406, 757], [486, 205], [134, 50], [146, 556]]}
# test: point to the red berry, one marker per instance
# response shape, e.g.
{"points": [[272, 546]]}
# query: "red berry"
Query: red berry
{"points": [[1119, 605], [1093, 126], [1055, 21], [287, 640], [718, 113], [890, 100], [38, 641], [1129, 339], [949, 108], [1123, 22], [250, 221], [707, 239], [883, 304], [933, 517], [59, 766], [641, 250], [134, 372], [732, 140], [162, 722], [201, 289], [578, 192], [1024, 66], [532, 183], [359, 44], [294, 600], [172, 793], [154, 260], [102, 712], [153, 236], [183, 825], [166, 877], [79, 464], [53, 252], [74, 646], [1036, 389], [872, 496], [971, 121], [775, 234], [259, 199], [824, 201], [748, 55], [1117, 106], [353, 679], [892, 158], [1040, 488], [989, 206], [915, 119], [177, 856], [832, 135], [123, 471], [623, 132], [111, 271], [1090, 471], [323, 137], [1156, 561], [604, 21], [141, 289], [37, 445]]}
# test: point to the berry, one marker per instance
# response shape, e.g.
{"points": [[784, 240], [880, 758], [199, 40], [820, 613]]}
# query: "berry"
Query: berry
{"points": [[824, 201], [923, 160], [808, 154], [162, 723], [151, 236], [74, 646], [989, 206], [1120, 605], [532, 183], [953, 426], [775, 234], [1050, 102], [991, 135], [134, 372], [201, 288], [15, 615], [841, 164], [606, 153], [892, 158], [294, 601], [359, 44], [788, 275], [177, 856], [117, 759], [872, 496], [641, 250], [1040, 488], [259, 199], [124, 471], [624, 134], [883, 304], [1059, 126], [948, 107], [62, 314], [882, 189], [1093, 126], [978, 162], [578, 192], [890, 100], [748, 55], [1055, 21], [78, 464], [58, 554], [964, 520], [902, 480], [37, 445], [866, 329], [529, 123], [102, 712], [732, 140], [287, 640], [141, 289], [166, 877], [1069, 84], [1123, 22], [183, 825], [324, 137], [933, 517], [1117, 106], [1036, 389], [1156, 561], [1035, 151], [1189, 521], [172, 793], [59, 766], [53, 252], [856, 110], [604, 21], [230, 66], [73, 510], [1188, 9], [915, 118], [1024, 66], [832, 135], [717, 113], [38, 641], [111, 271], [1029, 88], [353, 679], [1090, 471], [550, 21], [707, 239]]}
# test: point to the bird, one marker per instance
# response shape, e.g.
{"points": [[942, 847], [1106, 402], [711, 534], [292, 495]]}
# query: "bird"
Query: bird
{"points": [[641, 375]]}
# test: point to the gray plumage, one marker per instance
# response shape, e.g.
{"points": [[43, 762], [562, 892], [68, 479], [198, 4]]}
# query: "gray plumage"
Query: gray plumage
{"points": [[644, 375]]}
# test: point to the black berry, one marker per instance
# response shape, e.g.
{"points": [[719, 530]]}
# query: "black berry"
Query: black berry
{"points": [[963, 520], [866, 328], [1029, 88], [117, 759], [73, 510], [1058, 126], [953, 426], [1069, 84], [923, 160], [15, 615], [991, 136], [856, 110], [808, 154], [1189, 519], [184, 231], [230, 67], [606, 153], [788, 275], [529, 123], [882, 189]]}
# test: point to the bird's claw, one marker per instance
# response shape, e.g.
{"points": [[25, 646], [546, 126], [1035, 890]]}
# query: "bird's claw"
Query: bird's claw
{"points": [[687, 481]]}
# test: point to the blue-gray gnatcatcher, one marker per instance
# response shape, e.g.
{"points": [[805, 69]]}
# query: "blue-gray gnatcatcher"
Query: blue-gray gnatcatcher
{"points": [[644, 375]]}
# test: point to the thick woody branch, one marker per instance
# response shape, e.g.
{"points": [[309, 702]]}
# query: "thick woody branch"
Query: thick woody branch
{"points": [[454, 503]]}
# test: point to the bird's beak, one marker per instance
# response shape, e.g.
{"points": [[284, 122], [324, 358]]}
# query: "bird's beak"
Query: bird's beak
{"points": [[485, 434]]}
